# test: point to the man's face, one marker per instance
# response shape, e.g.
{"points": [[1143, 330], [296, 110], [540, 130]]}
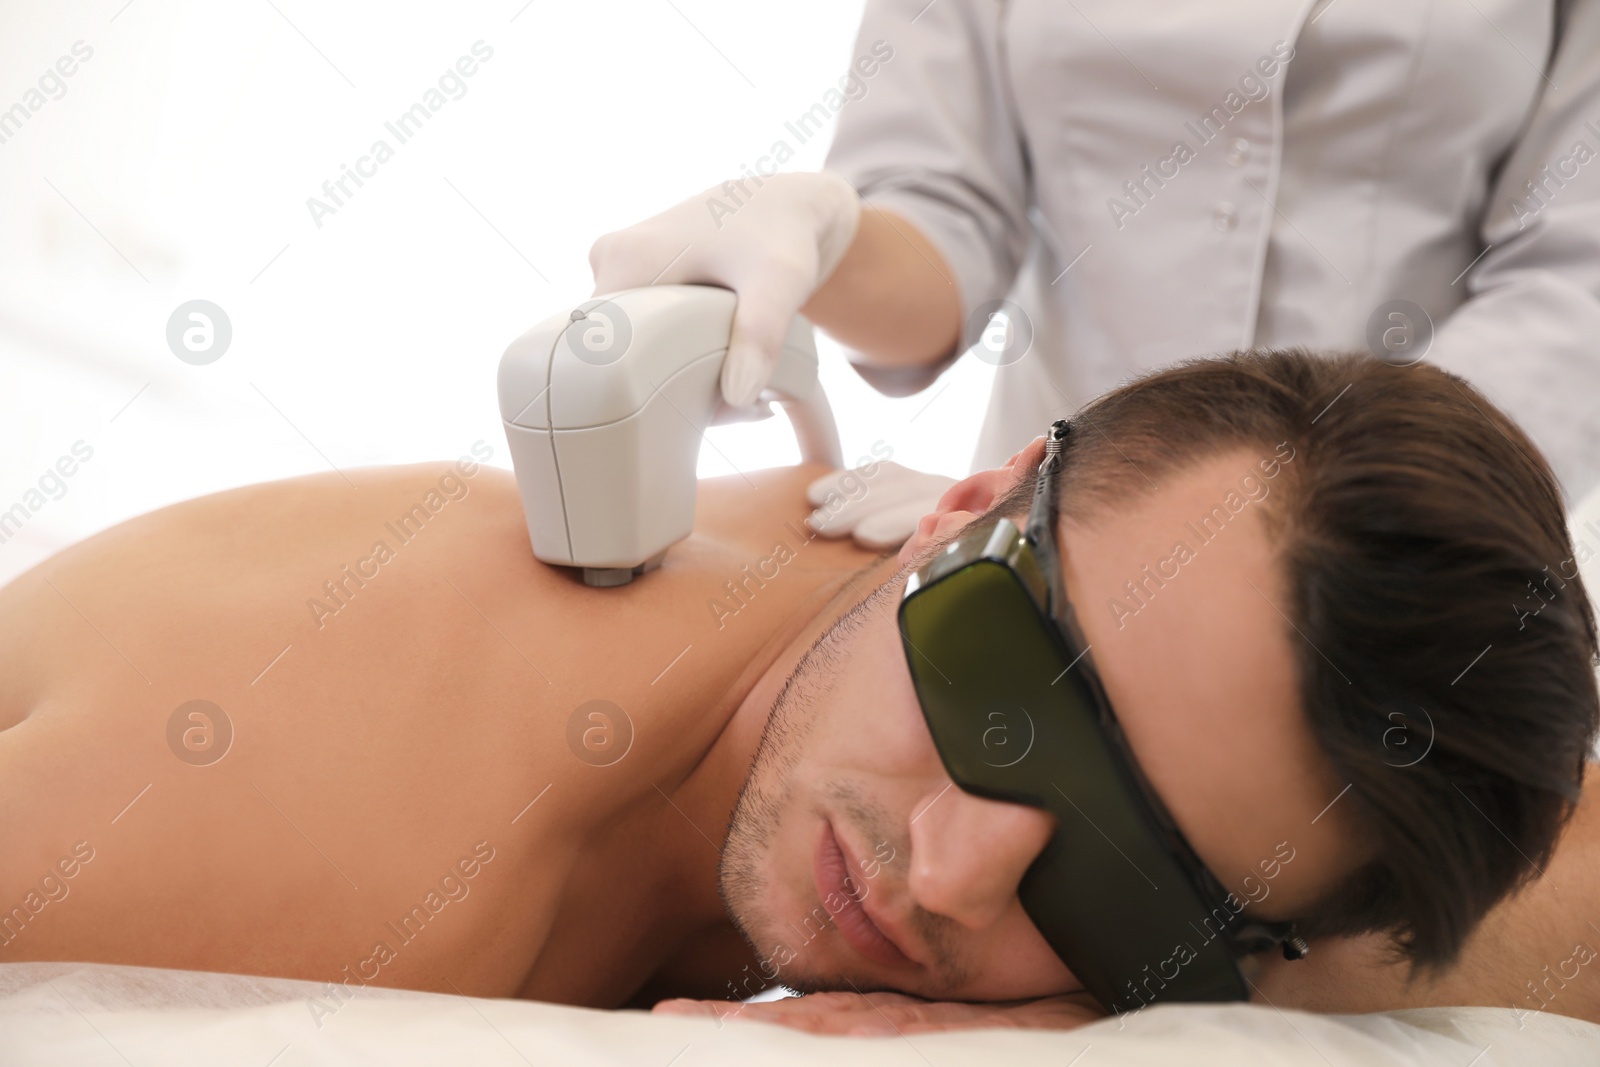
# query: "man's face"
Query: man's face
{"points": [[853, 863]]}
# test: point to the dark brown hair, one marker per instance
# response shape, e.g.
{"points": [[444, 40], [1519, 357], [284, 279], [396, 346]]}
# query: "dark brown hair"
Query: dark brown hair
{"points": [[1433, 582]]}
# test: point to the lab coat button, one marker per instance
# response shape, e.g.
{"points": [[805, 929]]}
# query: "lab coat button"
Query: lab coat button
{"points": [[1225, 215], [1238, 152]]}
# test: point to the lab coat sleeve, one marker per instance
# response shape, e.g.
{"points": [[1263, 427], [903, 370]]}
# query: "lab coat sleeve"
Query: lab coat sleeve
{"points": [[935, 138], [1529, 334]]}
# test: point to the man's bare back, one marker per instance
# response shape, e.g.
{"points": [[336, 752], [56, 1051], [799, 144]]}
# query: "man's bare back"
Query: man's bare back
{"points": [[399, 774]]}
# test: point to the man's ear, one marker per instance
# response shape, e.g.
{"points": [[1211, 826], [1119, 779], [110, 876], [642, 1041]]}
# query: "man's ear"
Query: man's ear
{"points": [[969, 498]]}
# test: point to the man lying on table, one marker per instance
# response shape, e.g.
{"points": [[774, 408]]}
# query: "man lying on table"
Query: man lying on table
{"points": [[351, 731]]}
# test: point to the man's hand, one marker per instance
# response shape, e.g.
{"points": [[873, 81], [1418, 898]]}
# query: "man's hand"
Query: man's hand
{"points": [[889, 1014]]}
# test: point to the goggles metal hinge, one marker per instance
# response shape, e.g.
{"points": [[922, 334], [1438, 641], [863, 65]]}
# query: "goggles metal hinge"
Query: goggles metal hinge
{"points": [[1260, 936]]}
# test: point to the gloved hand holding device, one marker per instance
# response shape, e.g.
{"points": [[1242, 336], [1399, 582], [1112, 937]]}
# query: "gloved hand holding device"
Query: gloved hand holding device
{"points": [[772, 240], [772, 243]]}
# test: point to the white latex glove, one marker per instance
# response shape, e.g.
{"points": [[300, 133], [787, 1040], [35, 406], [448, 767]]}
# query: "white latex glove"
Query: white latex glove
{"points": [[773, 244], [879, 505]]}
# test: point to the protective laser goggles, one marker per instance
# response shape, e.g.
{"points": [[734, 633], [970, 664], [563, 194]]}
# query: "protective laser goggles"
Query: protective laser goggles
{"points": [[1018, 714]]}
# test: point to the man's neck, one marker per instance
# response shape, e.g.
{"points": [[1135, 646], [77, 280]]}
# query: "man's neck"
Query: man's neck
{"points": [[714, 953]]}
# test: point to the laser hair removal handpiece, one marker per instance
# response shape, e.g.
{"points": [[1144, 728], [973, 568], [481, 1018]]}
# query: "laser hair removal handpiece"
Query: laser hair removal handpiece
{"points": [[605, 408]]}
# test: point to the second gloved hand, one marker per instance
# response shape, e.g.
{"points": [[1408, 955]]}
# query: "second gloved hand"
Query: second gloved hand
{"points": [[878, 505], [884, 504], [772, 240]]}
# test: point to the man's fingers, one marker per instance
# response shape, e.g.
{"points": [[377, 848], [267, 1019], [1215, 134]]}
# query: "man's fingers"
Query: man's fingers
{"points": [[685, 1006], [835, 1013], [813, 1004], [887, 1014], [864, 1015]]}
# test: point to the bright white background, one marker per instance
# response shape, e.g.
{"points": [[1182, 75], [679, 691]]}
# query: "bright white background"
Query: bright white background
{"points": [[177, 165]]}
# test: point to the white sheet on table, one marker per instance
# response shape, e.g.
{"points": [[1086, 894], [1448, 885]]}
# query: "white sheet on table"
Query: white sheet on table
{"points": [[88, 1014]]}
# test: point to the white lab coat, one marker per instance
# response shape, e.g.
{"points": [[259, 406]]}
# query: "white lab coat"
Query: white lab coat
{"points": [[1379, 162]]}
